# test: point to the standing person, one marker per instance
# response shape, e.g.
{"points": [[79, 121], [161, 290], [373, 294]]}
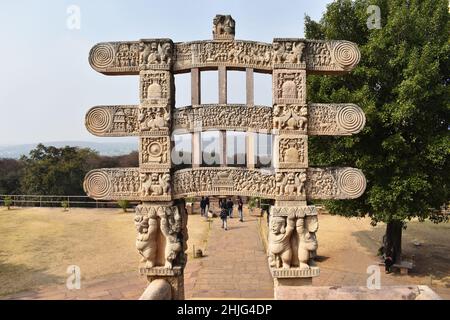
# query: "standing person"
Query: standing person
{"points": [[202, 206], [230, 205], [224, 213], [240, 207], [207, 206]]}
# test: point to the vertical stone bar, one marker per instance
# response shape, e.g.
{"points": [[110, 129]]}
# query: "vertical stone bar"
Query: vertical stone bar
{"points": [[222, 70], [195, 86], [223, 148], [250, 87], [222, 84], [250, 149], [196, 135]]}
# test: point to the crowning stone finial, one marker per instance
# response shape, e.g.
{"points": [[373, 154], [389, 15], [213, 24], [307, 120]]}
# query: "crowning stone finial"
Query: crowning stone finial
{"points": [[223, 27]]}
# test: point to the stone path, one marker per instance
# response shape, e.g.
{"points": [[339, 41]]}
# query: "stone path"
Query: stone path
{"points": [[235, 265]]}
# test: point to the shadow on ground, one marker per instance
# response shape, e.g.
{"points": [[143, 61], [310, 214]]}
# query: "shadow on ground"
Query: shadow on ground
{"points": [[426, 243], [15, 277]]}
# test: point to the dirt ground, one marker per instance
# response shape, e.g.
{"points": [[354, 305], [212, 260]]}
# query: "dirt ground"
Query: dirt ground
{"points": [[351, 244], [37, 245]]}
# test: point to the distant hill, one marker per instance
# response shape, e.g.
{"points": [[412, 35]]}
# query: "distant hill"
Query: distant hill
{"points": [[104, 148]]}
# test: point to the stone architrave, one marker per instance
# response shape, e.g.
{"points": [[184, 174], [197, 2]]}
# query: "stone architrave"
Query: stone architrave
{"points": [[161, 217]]}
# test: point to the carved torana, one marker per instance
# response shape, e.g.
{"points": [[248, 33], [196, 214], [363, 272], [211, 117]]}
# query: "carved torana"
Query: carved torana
{"points": [[161, 188]]}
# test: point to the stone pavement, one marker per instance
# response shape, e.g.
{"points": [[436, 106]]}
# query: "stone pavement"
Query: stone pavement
{"points": [[234, 266], [124, 286]]}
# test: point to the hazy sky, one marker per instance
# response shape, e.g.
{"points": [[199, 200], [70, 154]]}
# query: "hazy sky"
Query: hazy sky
{"points": [[47, 85]]}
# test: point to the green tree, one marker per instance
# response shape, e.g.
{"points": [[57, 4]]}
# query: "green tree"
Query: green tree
{"points": [[402, 85], [56, 171], [10, 171], [124, 204]]}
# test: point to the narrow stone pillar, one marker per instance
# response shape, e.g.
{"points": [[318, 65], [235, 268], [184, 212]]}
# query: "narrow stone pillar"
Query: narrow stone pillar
{"points": [[195, 86], [196, 148], [250, 87], [222, 70], [223, 148], [250, 149], [222, 84]]}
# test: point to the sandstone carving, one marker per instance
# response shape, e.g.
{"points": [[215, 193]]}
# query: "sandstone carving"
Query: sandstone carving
{"points": [[112, 121], [223, 117], [155, 152], [289, 86], [161, 217], [290, 118], [283, 243], [146, 242], [335, 119], [280, 251], [292, 151], [315, 56], [289, 54], [223, 27], [155, 54], [154, 222], [156, 87]]}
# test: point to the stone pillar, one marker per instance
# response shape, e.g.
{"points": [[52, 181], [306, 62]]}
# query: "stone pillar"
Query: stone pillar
{"points": [[293, 224], [250, 93], [250, 149], [196, 148], [162, 242], [222, 70], [223, 148]]}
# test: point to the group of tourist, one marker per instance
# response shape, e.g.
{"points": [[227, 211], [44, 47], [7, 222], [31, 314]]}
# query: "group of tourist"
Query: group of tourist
{"points": [[226, 209]]}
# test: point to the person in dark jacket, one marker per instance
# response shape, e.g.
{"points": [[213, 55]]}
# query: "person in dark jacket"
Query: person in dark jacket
{"points": [[230, 205], [203, 207], [240, 208], [224, 213], [207, 206]]}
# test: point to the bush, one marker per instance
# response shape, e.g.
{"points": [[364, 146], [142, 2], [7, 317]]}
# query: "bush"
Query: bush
{"points": [[65, 205], [8, 202], [123, 204]]}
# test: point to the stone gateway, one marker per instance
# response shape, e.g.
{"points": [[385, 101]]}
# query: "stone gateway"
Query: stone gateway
{"points": [[161, 218]]}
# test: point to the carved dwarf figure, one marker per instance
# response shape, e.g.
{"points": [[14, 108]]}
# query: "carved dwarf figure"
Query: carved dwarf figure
{"points": [[280, 252], [307, 241], [171, 225], [147, 228]]}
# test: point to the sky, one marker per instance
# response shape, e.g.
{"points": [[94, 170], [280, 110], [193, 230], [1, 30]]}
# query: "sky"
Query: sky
{"points": [[47, 85]]}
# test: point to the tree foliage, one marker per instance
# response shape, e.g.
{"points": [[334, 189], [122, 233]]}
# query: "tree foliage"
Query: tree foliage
{"points": [[48, 170], [401, 84]]}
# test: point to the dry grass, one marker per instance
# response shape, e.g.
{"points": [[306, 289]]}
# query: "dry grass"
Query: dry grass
{"points": [[38, 244]]}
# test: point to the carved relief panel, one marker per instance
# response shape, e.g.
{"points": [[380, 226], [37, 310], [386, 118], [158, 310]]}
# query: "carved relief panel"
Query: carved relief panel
{"points": [[289, 86], [155, 152], [335, 119], [154, 120], [223, 117], [155, 54], [291, 151], [289, 53], [128, 184], [161, 238], [246, 54], [292, 241], [156, 87], [112, 121], [290, 118]]}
